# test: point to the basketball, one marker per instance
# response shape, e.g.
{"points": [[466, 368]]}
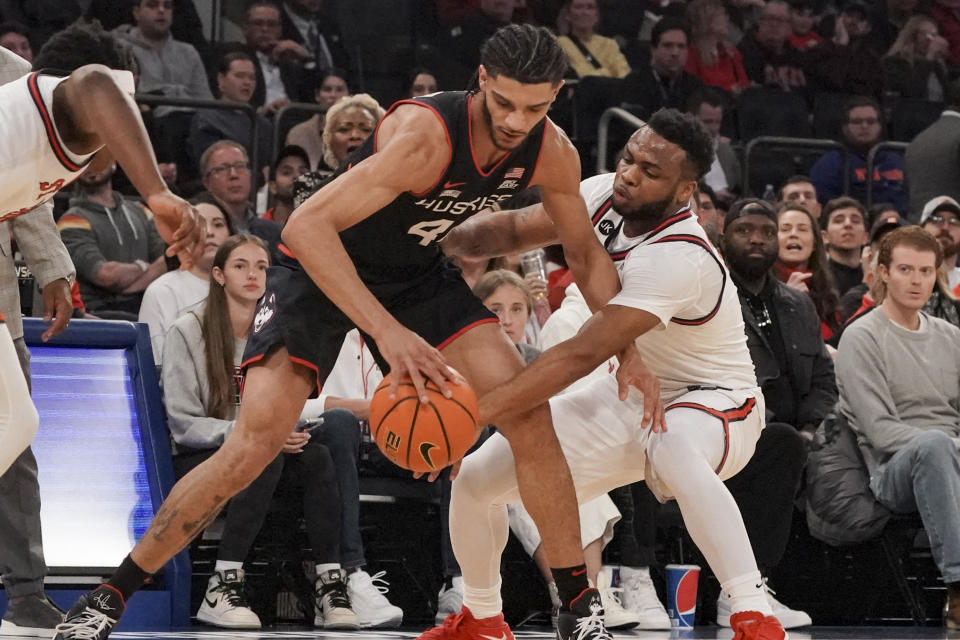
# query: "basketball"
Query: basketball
{"points": [[424, 437]]}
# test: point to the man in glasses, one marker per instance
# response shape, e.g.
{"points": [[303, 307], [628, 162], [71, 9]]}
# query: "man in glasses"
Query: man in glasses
{"points": [[225, 170], [862, 128], [941, 219]]}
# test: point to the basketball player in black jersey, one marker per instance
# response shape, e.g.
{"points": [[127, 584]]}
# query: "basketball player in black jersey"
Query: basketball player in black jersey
{"points": [[364, 251]]}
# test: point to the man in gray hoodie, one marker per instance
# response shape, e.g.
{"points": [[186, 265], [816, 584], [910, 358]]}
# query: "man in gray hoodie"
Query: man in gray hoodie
{"points": [[898, 371], [114, 245]]}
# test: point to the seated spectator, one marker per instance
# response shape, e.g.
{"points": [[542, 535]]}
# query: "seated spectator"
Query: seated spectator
{"points": [[844, 233], [711, 57], [802, 265], [884, 210], [16, 38], [348, 124], [848, 61], [236, 80], [768, 57], [895, 16], [292, 162], [947, 15], [225, 168], [278, 63], [663, 82], [800, 190], [186, 28], [862, 129], [724, 177], [167, 68], [802, 20], [941, 219], [310, 23], [857, 300], [331, 86], [795, 372], [897, 370], [202, 391], [508, 295], [933, 158], [915, 66], [590, 53], [114, 246], [422, 83], [177, 291]]}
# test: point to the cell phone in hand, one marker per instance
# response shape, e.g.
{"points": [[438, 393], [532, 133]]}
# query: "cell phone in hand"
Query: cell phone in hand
{"points": [[309, 426]]}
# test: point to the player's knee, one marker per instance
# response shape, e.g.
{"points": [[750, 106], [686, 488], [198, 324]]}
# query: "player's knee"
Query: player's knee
{"points": [[470, 486], [242, 460]]}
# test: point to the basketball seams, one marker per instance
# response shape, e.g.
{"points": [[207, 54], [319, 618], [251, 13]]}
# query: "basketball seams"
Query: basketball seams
{"points": [[413, 426], [443, 430], [396, 403], [461, 405]]}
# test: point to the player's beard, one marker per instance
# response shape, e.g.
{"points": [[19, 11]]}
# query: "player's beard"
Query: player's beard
{"points": [[648, 211], [488, 119]]}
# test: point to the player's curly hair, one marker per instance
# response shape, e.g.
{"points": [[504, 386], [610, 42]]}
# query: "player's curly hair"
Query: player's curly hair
{"points": [[685, 131], [525, 53], [84, 42]]}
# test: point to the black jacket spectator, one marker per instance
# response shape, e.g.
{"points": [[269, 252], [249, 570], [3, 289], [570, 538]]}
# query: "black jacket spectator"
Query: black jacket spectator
{"points": [[795, 372], [325, 43], [659, 78]]}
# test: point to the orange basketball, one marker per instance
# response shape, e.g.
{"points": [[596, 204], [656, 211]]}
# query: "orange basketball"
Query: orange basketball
{"points": [[423, 437]]}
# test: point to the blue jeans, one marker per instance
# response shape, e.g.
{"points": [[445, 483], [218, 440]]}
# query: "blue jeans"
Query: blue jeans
{"points": [[924, 477]]}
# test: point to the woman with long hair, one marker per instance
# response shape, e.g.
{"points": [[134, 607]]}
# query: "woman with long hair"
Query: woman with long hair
{"points": [[202, 383], [915, 66], [711, 57], [802, 264]]}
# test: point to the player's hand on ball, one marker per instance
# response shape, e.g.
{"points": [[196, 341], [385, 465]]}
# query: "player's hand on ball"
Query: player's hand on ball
{"points": [[411, 357], [634, 373], [179, 225]]}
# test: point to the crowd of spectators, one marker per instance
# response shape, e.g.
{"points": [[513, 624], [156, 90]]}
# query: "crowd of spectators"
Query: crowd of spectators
{"points": [[812, 262]]}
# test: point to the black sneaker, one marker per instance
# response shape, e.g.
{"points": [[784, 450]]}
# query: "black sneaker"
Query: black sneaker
{"points": [[584, 619], [93, 616], [33, 616]]}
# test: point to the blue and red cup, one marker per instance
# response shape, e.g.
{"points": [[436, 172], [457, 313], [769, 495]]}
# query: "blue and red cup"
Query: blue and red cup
{"points": [[682, 582]]}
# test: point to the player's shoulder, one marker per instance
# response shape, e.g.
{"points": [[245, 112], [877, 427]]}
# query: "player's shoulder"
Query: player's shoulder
{"points": [[414, 124], [558, 164], [597, 187]]}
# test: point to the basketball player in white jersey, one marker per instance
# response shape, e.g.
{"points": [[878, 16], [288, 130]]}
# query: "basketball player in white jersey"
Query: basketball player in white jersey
{"points": [[54, 128], [679, 306]]}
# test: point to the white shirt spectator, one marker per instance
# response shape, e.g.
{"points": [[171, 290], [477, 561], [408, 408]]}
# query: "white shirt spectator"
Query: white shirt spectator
{"points": [[166, 299]]}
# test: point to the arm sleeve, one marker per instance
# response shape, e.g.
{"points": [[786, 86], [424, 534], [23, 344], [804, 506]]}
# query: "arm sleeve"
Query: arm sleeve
{"points": [[158, 316], [861, 376], [186, 417], [821, 398], [667, 293], [41, 246], [81, 242]]}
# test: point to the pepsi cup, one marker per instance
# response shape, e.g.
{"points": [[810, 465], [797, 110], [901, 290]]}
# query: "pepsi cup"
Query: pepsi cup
{"points": [[682, 582]]}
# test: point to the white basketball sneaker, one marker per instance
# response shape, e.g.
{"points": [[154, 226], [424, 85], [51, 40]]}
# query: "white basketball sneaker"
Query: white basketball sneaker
{"points": [[225, 603], [333, 609], [789, 618], [640, 597], [368, 599], [614, 615], [449, 600]]}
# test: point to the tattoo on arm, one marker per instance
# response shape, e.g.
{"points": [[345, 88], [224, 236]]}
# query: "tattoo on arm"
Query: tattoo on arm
{"points": [[195, 527]]}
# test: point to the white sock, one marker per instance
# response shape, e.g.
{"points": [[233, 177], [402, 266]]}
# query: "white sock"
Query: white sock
{"points": [[227, 565], [457, 583], [323, 568], [746, 593], [483, 603]]}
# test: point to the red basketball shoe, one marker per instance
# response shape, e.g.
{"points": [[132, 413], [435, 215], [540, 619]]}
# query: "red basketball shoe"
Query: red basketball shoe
{"points": [[463, 626], [753, 625]]}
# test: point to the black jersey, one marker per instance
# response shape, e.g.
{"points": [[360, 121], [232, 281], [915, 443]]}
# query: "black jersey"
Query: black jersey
{"points": [[399, 243]]}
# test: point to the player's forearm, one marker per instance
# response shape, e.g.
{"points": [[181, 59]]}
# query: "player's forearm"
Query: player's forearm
{"points": [[110, 115], [595, 275], [316, 244], [490, 235], [552, 371]]}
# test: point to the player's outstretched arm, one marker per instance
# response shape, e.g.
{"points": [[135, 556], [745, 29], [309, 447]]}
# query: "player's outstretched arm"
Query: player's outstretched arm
{"points": [[497, 233], [411, 155], [98, 112], [608, 332], [558, 175]]}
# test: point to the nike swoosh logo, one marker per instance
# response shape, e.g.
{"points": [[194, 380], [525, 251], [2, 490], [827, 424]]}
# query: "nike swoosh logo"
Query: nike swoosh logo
{"points": [[500, 637], [579, 573], [425, 448], [212, 604], [451, 185]]}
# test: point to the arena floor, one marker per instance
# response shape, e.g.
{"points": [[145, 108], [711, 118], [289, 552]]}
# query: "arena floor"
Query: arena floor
{"points": [[701, 633]]}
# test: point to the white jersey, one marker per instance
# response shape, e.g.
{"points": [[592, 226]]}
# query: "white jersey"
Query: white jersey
{"points": [[34, 161], [674, 273]]}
